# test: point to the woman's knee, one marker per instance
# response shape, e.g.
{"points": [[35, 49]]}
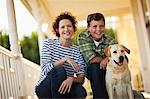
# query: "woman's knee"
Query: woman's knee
{"points": [[43, 92], [58, 71], [79, 91]]}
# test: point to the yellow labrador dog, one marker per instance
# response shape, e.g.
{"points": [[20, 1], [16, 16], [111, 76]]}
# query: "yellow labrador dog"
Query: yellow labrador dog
{"points": [[118, 78]]}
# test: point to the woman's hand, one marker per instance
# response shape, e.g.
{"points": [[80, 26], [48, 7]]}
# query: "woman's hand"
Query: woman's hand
{"points": [[66, 85], [74, 65]]}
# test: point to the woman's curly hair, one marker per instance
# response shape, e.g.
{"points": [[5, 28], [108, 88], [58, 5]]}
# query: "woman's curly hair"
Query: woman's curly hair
{"points": [[64, 15]]}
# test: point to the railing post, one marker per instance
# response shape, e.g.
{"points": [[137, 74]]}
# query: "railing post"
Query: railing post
{"points": [[12, 28]]}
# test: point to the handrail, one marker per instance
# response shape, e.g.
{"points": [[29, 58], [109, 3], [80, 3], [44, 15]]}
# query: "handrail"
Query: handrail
{"points": [[33, 65], [7, 52], [18, 76]]}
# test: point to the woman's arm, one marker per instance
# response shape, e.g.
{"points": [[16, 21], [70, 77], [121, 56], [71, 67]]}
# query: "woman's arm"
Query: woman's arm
{"points": [[86, 46], [66, 84], [45, 58], [59, 62], [74, 65], [79, 79]]}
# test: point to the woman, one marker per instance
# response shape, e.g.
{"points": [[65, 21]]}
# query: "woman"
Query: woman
{"points": [[62, 64]]}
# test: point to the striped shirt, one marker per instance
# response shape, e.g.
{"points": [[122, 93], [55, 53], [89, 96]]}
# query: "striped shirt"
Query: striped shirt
{"points": [[52, 51]]}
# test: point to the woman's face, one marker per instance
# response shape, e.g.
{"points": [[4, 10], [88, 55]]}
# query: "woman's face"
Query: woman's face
{"points": [[65, 29], [96, 29]]}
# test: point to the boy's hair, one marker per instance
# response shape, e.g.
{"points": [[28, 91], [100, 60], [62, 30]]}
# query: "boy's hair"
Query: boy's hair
{"points": [[96, 17]]}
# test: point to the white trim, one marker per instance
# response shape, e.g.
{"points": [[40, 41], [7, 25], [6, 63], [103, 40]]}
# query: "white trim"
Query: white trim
{"points": [[7, 52], [1, 67]]}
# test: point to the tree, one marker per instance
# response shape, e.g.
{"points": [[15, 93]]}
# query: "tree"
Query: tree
{"points": [[30, 48], [74, 39], [4, 39], [29, 45]]}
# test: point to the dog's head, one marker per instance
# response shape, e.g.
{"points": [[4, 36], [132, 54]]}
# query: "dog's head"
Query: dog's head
{"points": [[117, 55]]}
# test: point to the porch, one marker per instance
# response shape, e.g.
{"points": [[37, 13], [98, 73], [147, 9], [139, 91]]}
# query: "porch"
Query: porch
{"points": [[18, 75]]}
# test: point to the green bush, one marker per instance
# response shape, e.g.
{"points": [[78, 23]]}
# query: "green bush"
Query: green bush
{"points": [[4, 39], [30, 48]]}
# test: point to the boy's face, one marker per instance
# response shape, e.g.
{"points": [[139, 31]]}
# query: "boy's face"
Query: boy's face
{"points": [[96, 29]]}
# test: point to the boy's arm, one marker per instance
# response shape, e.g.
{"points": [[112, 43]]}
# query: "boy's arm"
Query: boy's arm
{"points": [[85, 45]]}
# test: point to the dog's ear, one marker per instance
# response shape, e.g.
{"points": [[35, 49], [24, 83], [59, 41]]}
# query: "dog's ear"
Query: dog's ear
{"points": [[107, 51], [126, 49]]}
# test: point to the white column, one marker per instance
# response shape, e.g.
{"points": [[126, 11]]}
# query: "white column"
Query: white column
{"points": [[143, 41], [148, 3], [15, 48], [13, 36], [40, 37]]}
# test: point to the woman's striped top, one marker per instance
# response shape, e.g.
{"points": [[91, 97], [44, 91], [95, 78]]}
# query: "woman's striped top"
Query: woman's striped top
{"points": [[52, 51]]}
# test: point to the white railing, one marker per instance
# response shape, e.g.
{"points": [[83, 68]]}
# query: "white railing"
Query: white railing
{"points": [[31, 71], [18, 76], [9, 82]]}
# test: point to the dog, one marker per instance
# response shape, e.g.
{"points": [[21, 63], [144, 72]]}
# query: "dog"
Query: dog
{"points": [[118, 77]]}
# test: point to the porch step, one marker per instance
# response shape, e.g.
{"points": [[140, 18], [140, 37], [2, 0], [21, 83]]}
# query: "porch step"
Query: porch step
{"points": [[146, 95]]}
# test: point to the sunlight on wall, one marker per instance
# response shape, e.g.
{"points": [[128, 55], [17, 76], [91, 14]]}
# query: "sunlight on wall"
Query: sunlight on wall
{"points": [[82, 23], [25, 21], [3, 15], [45, 27], [111, 22], [126, 35]]}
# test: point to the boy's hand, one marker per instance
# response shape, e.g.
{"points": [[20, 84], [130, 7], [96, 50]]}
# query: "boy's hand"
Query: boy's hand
{"points": [[104, 62]]}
